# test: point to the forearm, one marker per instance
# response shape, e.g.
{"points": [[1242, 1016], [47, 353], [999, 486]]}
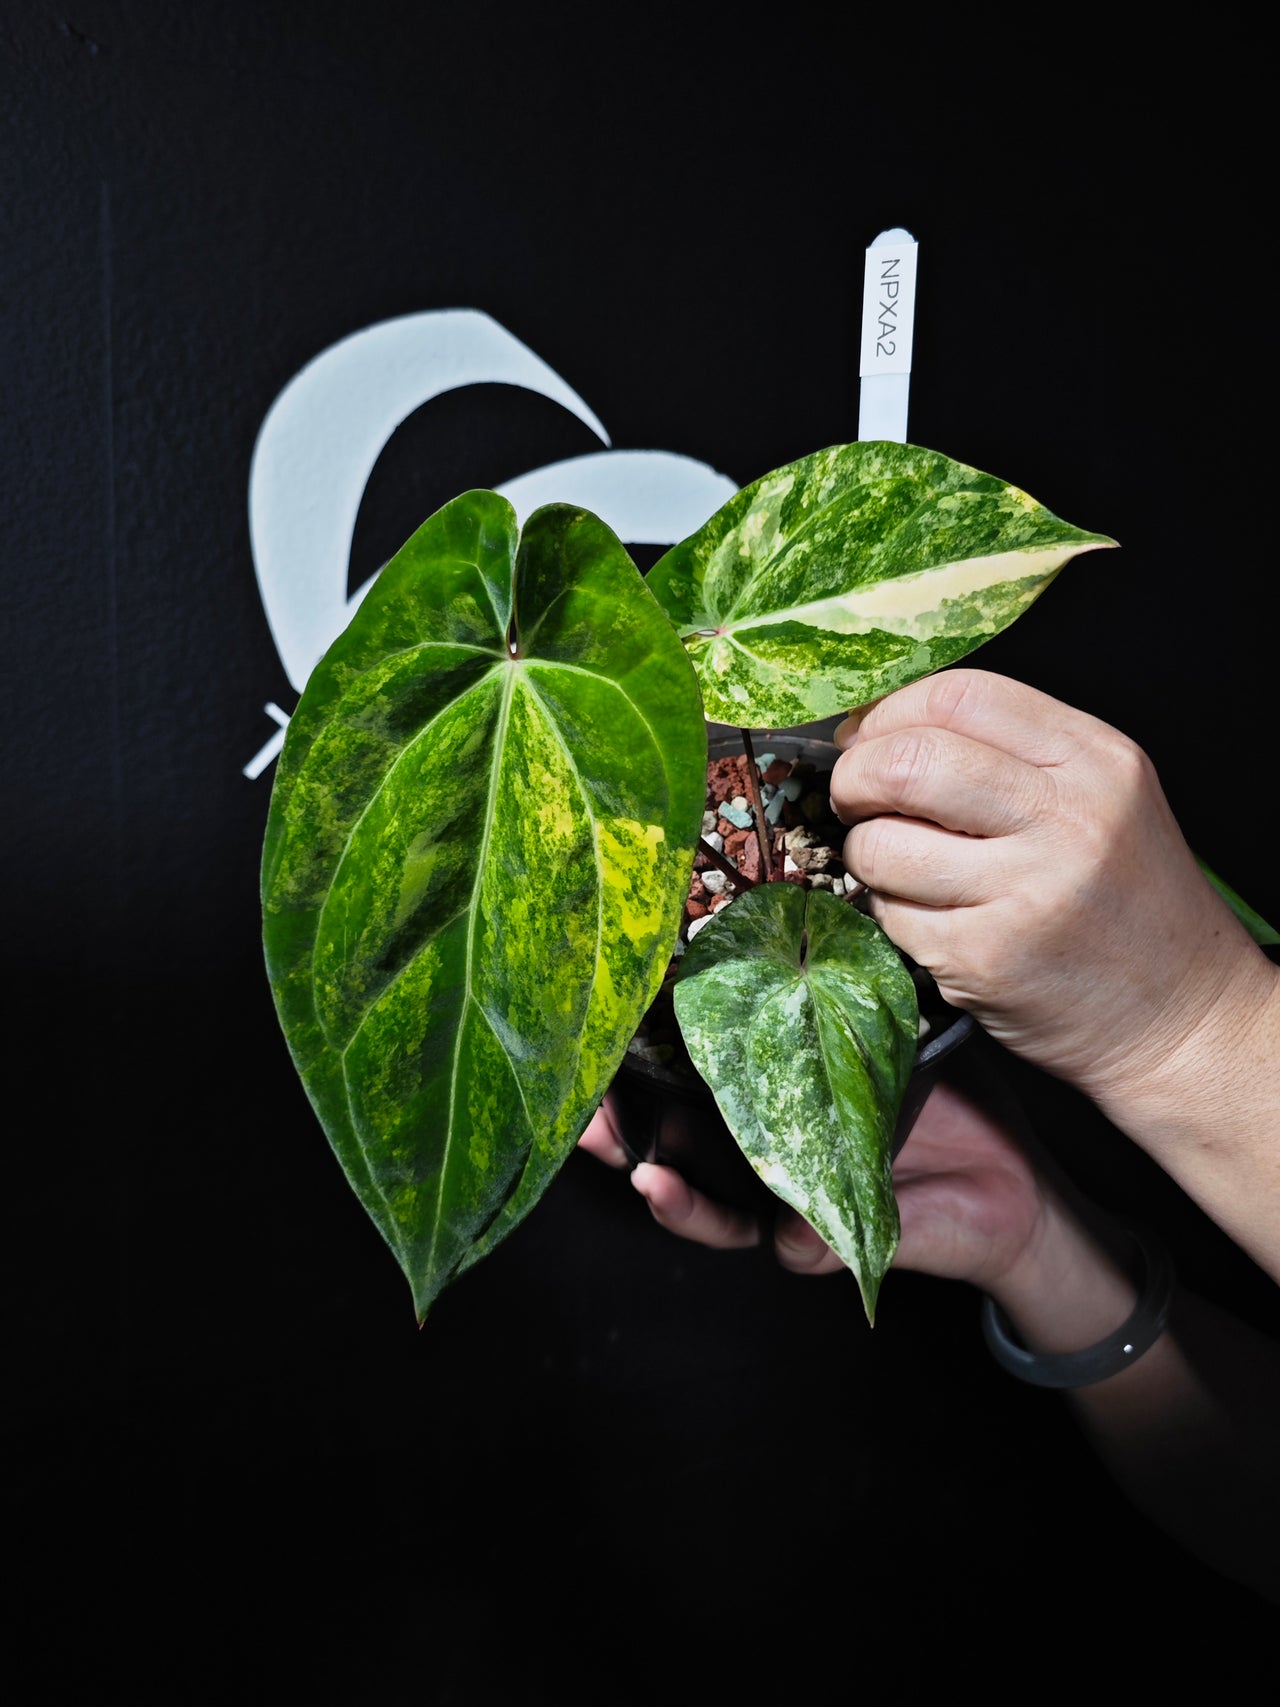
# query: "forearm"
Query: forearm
{"points": [[1208, 1109], [1191, 1430]]}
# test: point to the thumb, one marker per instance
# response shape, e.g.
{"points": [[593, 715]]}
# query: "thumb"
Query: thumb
{"points": [[845, 732]]}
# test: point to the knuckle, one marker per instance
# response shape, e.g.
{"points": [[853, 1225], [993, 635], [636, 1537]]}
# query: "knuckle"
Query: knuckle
{"points": [[865, 853], [937, 698], [1124, 765], [906, 761], [1137, 774], [843, 788], [952, 692]]}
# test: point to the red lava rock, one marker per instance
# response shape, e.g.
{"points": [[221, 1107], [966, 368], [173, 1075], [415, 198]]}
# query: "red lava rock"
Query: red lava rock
{"points": [[727, 777]]}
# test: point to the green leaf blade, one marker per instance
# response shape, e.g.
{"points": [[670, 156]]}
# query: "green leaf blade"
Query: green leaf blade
{"points": [[853, 571], [1263, 933], [802, 1018], [475, 864]]}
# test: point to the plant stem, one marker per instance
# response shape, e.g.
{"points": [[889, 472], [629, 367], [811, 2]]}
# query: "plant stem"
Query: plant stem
{"points": [[757, 806], [726, 864]]}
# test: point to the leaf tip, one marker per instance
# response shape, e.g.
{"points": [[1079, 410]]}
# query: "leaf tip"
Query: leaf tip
{"points": [[869, 1287], [423, 1298]]}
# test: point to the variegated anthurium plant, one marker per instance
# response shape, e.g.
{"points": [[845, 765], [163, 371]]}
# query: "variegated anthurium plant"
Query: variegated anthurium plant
{"points": [[484, 820]]}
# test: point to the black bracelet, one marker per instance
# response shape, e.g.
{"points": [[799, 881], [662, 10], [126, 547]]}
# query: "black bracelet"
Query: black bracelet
{"points": [[1110, 1355]]}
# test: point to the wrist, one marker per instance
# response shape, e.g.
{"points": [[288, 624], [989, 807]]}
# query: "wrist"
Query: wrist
{"points": [[1115, 1352], [1073, 1284], [1209, 1114], [1207, 1066]]}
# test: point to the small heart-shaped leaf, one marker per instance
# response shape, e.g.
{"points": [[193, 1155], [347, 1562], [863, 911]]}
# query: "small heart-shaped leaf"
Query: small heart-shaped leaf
{"points": [[800, 1014]]}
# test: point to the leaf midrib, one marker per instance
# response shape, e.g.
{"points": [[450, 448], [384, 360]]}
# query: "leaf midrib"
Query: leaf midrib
{"points": [[469, 999], [504, 716]]}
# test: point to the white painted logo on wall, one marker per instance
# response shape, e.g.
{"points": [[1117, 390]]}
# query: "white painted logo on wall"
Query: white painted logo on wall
{"points": [[322, 436]]}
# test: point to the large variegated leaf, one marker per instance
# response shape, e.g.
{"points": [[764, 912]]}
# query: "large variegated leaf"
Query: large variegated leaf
{"points": [[853, 571], [479, 843], [799, 1013]]}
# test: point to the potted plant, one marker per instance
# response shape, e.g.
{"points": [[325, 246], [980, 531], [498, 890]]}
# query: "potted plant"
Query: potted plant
{"points": [[484, 822], [768, 818]]}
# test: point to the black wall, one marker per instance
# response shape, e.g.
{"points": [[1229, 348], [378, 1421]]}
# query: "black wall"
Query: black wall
{"points": [[235, 1470]]}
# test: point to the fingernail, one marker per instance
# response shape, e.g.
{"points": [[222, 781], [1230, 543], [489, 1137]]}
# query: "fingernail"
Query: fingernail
{"points": [[640, 1178]]}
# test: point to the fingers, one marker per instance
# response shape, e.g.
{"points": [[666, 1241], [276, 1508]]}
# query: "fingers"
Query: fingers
{"points": [[846, 733], [675, 1205], [799, 1248], [935, 938], [909, 860], [601, 1138], [928, 772], [994, 710]]}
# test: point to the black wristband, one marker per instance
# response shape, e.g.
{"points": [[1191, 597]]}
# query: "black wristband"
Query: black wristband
{"points": [[1112, 1354]]}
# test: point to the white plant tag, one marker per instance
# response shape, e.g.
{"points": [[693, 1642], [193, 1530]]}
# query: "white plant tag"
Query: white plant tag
{"points": [[888, 324]]}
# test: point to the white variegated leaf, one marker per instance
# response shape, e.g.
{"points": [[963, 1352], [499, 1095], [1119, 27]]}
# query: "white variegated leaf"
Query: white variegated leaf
{"points": [[853, 571], [800, 1014]]}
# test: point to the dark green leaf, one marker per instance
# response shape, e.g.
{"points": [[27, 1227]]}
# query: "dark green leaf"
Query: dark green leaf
{"points": [[475, 864]]}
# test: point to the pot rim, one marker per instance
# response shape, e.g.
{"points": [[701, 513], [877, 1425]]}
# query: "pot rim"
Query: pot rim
{"points": [[929, 1055]]}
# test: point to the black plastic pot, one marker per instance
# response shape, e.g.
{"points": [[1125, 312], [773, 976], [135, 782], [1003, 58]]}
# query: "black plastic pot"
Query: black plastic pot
{"points": [[667, 1113]]}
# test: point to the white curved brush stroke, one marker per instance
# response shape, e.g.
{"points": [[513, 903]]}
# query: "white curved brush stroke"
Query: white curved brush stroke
{"points": [[321, 438]]}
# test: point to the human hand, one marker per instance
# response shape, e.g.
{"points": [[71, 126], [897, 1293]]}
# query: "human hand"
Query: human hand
{"points": [[1024, 853], [1188, 1432], [969, 1196]]}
